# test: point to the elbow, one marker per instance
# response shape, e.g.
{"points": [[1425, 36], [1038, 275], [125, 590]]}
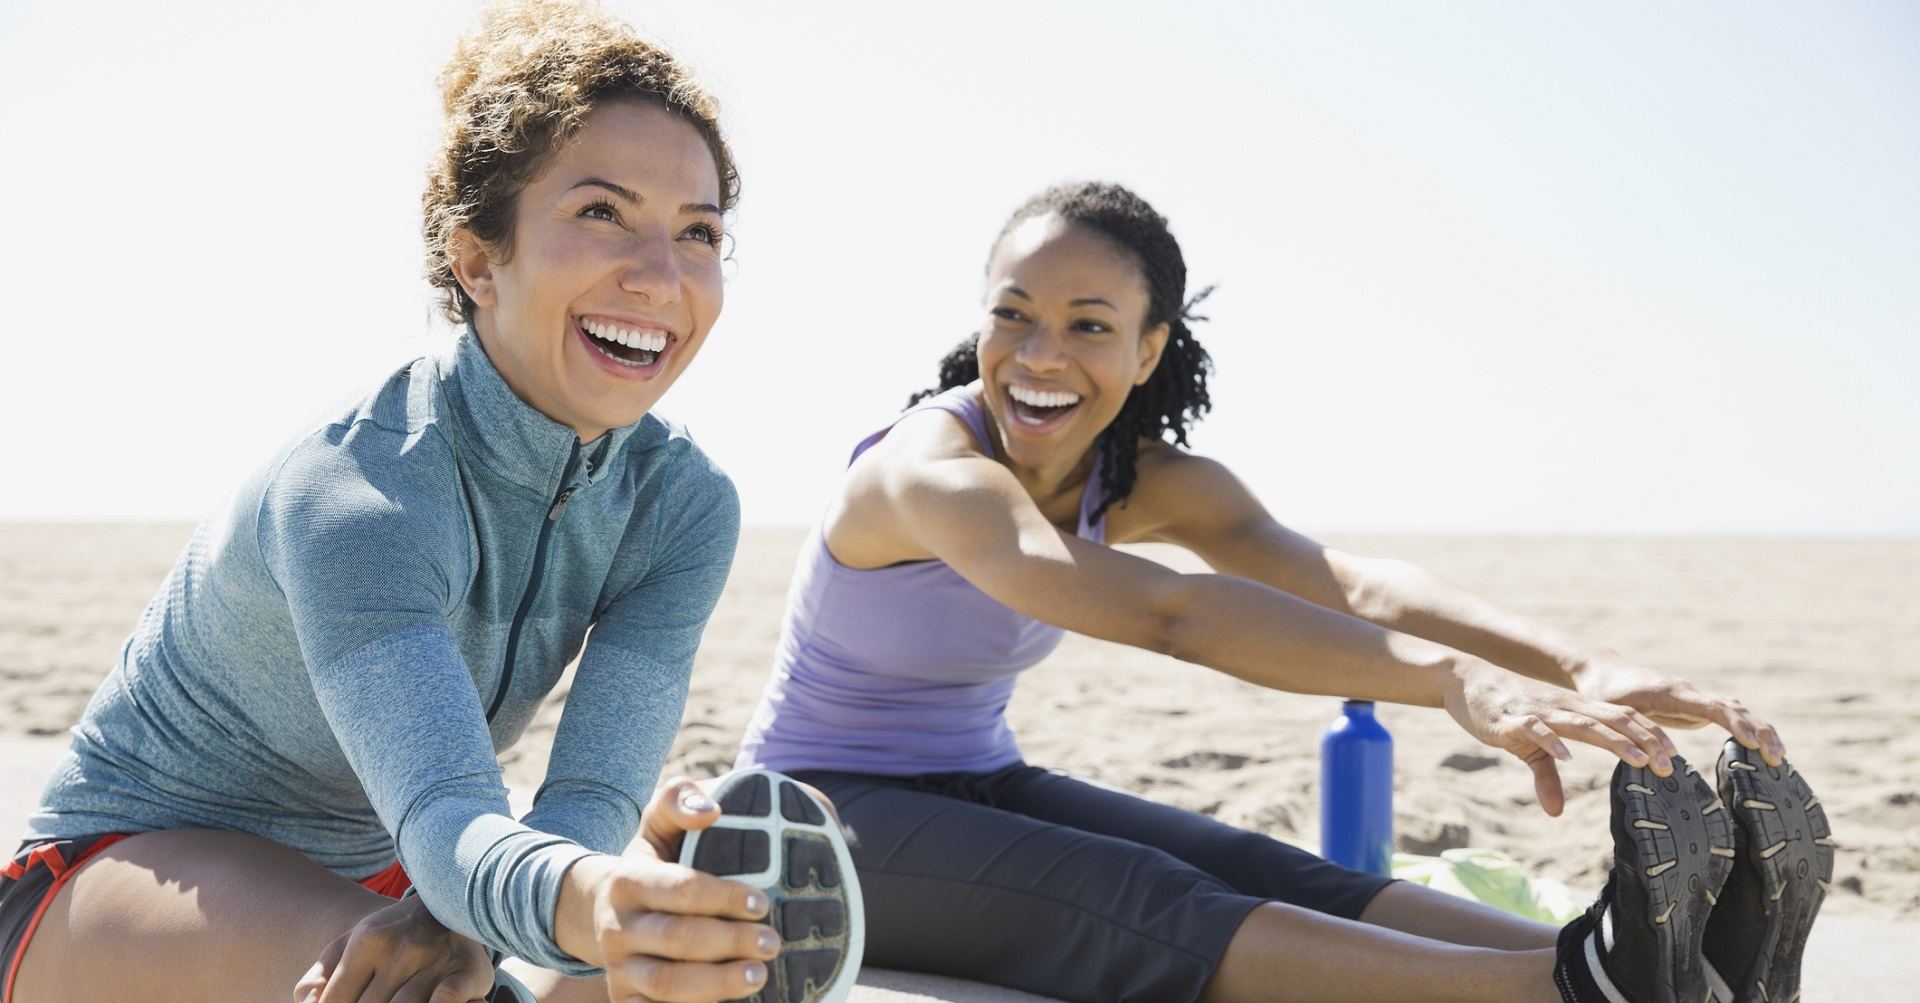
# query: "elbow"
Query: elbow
{"points": [[1172, 624], [1375, 593]]}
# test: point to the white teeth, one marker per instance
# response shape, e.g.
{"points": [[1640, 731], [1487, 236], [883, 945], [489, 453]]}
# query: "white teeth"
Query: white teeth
{"points": [[1042, 398], [650, 341]]}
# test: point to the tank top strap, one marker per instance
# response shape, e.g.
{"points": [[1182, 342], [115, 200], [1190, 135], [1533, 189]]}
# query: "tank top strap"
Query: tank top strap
{"points": [[958, 402], [1090, 499], [961, 403]]}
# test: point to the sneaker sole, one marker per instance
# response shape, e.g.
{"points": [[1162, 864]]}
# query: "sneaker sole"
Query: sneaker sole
{"points": [[1677, 854], [775, 836], [1790, 847]]}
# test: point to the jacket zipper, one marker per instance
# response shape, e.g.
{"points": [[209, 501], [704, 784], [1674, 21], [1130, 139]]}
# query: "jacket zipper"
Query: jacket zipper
{"points": [[533, 580]]}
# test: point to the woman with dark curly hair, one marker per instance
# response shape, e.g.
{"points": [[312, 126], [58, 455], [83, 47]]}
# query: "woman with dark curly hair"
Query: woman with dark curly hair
{"points": [[306, 719], [977, 526]]}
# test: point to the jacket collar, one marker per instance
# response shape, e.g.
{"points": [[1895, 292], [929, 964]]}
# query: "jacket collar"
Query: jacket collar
{"points": [[509, 436]]}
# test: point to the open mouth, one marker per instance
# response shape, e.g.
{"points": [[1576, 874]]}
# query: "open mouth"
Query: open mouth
{"points": [[1040, 408], [634, 348]]}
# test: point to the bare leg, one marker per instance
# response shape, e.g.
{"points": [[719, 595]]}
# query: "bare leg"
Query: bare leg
{"points": [[188, 915], [1283, 952], [1424, 912]]}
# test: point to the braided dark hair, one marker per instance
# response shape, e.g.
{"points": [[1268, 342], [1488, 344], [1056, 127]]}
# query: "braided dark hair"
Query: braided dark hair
{"points": [[1174, 397]]}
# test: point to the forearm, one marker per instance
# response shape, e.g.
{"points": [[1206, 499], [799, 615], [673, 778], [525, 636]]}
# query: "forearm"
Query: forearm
{"points": [[1412, 600], [1282, 642]]}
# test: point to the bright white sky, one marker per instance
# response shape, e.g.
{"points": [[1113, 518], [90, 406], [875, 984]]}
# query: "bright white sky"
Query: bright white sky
{"points": [[1512, 267]]}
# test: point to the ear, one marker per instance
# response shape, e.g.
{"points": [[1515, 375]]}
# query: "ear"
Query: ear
{"points": [[472, 267], [1152, 344]]}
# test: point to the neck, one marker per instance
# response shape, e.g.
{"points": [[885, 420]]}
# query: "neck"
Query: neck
{"points": [[1047, 481], [486, 333]]}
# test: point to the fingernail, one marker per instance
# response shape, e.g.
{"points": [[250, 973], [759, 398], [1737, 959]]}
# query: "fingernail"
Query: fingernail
{"points": [[696, 802], [1560, 751], [756, 902], [768, 941], [1665, 764], [756, 974]]}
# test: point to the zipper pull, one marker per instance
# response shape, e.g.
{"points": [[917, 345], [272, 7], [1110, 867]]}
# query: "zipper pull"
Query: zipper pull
{"points": [[559, 503]]}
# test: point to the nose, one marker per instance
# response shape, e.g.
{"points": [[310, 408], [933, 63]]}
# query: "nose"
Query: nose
{"points": [[651, 269], [1042, 350]]}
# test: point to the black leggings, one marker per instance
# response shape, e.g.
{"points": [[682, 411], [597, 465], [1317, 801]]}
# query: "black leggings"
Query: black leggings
{"points": [[1032, 879]]}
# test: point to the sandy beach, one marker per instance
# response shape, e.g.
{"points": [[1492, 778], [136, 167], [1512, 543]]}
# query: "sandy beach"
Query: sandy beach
{"points": [[1822, 637]]}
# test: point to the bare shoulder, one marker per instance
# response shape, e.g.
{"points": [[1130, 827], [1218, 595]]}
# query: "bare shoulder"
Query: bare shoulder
{"points": [[928, 451], [1177, 493]]}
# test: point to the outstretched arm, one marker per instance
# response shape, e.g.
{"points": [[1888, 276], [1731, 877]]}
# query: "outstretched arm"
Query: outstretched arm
{"points": [[970, 512], [1221, 521]]}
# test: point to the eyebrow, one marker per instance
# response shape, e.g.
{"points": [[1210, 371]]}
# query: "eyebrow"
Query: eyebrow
{"points": [[1082, 301], [633, 197]]}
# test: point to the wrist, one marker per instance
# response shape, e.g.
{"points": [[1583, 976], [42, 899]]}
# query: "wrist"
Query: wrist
{"points": [[576, 926], [1585, 668]]}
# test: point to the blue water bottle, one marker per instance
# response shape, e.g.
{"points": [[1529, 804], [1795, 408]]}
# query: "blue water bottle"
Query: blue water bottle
{"points": [[1356, 790]]}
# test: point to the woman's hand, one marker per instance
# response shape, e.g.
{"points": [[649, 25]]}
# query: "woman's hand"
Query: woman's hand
{"points": [[1529, 718], [401, 954], [1675, 702], [665, 932], [680, 806]]}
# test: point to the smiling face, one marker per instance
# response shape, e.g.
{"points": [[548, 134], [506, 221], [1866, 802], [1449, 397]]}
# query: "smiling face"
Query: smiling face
{"points": [[1064, 342], [613, 278]]}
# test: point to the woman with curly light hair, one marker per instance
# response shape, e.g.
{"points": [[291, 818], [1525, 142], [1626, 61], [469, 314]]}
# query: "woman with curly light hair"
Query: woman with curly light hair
{"points": [[305, 721]]}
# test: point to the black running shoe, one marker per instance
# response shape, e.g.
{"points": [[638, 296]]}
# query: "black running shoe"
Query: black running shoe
{"points": [[775, 836], [1672, 851], [1781, 875]]}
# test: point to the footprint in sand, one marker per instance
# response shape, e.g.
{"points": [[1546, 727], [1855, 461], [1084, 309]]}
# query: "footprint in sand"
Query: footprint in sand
{"points": [[1208, 761]]}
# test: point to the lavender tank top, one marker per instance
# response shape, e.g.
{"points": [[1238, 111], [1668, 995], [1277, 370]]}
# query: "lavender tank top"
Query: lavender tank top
{"points": [[898, 670]]}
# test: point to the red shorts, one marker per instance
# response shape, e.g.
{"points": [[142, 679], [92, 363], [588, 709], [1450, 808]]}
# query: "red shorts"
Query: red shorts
{"points": [[33, 877]]}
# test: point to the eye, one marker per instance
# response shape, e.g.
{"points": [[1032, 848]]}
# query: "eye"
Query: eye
{"points": [[706, 233], [1007, 313], [599, 209], [1091, 327]]}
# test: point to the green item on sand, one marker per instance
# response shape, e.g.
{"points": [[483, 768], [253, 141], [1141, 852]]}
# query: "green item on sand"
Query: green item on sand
{"points": [[1493, 878]]}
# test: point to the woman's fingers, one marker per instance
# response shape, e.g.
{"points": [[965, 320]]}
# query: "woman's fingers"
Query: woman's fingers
{"points": [[678, 807], [439, 987], [687, 982], [1656, 729], [697, 938], [1537, 732], [352, 974], [1615, 736], [1647, 736], [1546, 778], [1749, 730], [688, 892], [308, 989]]}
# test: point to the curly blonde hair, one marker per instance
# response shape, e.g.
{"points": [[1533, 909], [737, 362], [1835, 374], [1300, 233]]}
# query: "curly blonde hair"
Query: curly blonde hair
{"points": [[516, 89]]}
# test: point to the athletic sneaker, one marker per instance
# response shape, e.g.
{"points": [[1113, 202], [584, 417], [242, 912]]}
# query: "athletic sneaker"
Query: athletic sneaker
{"points": [[778, 838], [1672, 851], [1781, 875]]}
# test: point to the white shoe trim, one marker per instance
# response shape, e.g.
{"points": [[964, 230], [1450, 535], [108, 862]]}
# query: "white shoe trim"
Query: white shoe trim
{"points": [[1722, 993], [770, 878], [1600, 974]]}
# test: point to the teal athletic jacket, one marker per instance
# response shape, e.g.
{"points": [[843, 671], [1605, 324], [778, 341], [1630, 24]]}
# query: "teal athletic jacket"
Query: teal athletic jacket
{"points": [[337, 658]]}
